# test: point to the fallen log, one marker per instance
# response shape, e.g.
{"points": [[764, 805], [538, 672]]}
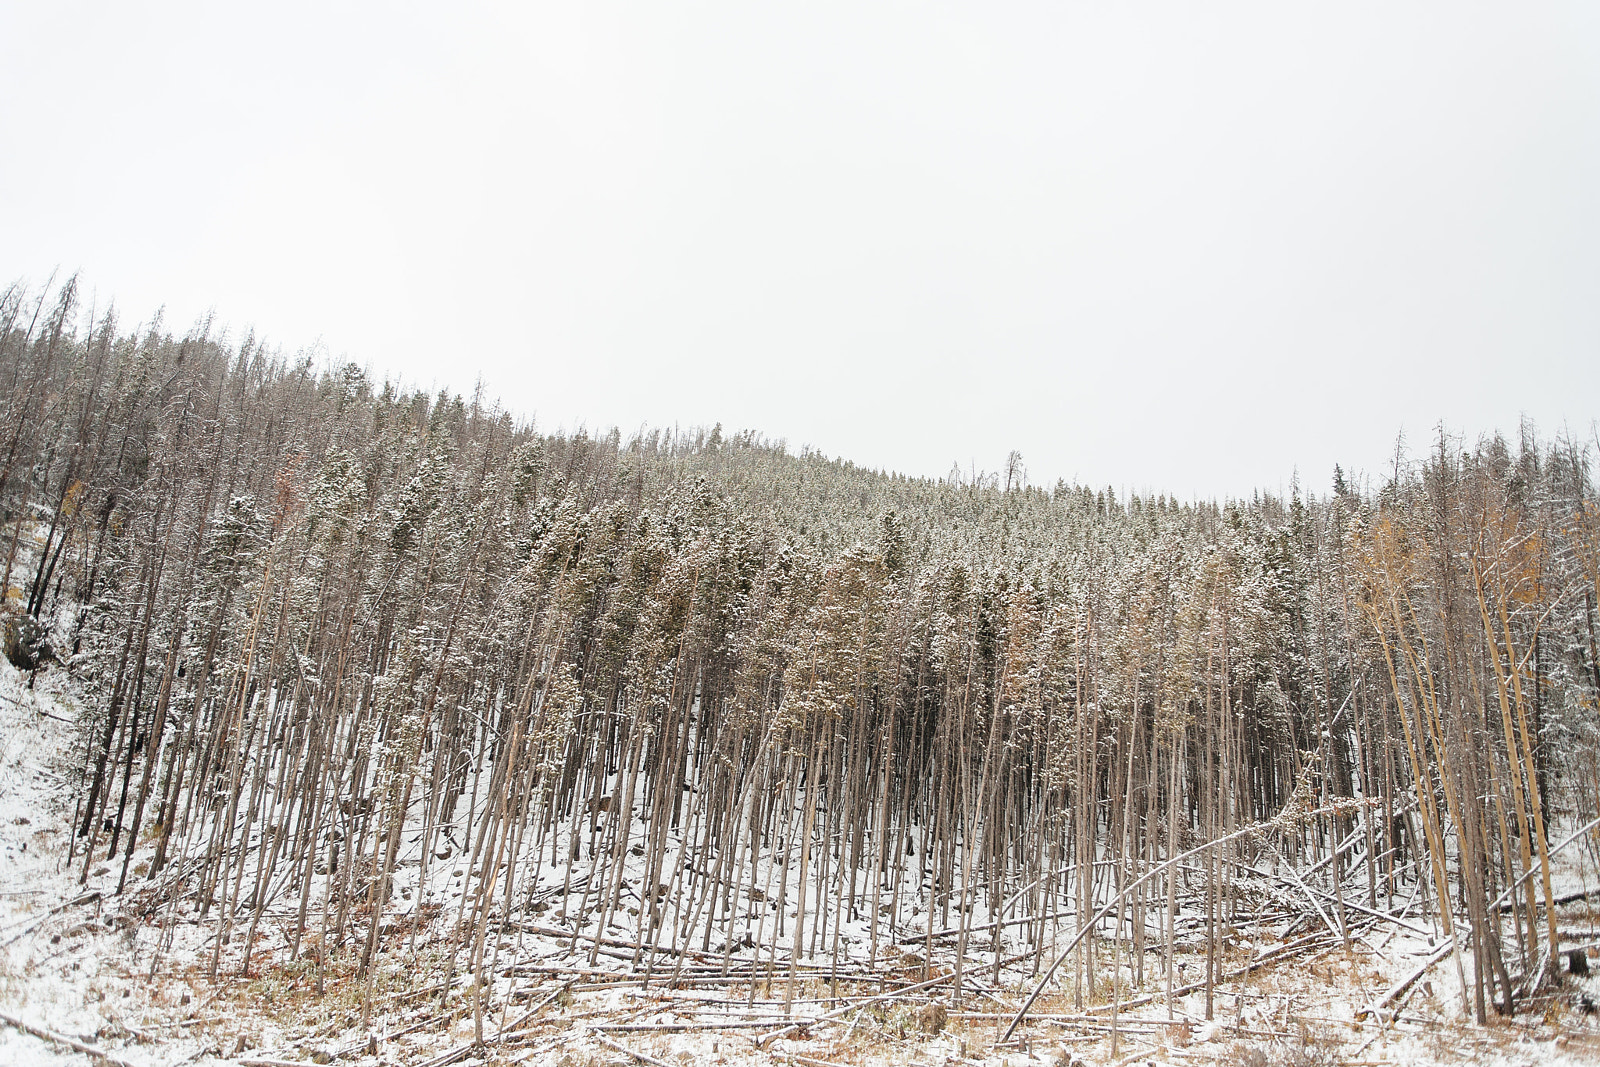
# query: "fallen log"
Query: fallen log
{"points": [[626, 1051], [1116, 902], [62, 1039], [1399, 988]]}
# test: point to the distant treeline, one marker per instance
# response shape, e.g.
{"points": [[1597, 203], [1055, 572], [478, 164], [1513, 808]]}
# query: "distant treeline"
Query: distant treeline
{"points": [[323, 617]]}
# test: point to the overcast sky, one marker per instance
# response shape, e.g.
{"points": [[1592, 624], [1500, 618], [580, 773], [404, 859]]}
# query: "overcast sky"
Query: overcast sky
{"points": [[1186, 247]]}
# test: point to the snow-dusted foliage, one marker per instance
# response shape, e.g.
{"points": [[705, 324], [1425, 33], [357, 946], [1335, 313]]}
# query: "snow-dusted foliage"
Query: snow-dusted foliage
{"points": [[401, 671]]}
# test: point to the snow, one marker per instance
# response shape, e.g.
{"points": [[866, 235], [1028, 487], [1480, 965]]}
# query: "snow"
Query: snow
{"points": [[76, 960], [68, 960]]}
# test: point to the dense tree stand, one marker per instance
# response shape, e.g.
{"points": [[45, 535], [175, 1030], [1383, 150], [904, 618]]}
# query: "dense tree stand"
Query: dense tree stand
{"points": [[406, 679]]}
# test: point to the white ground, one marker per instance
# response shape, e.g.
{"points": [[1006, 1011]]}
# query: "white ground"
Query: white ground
{"points": [[75, 962]]}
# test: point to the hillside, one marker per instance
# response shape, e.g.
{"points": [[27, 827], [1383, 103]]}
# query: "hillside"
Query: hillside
{"points": [[384, 726]]}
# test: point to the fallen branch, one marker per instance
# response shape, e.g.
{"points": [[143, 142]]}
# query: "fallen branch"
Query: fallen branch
{"points": [[918, 937], [1503, 902], [1312, 941], [1565, 898], [695, 1025], [31, 922], [62, 1039], [1325, 895], [626, 1051], [764, 1039], [1116, 901], [809, 1061], [1407, 982], [452, 1056]]}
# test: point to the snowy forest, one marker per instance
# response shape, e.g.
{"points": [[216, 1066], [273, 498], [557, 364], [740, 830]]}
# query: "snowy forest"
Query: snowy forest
{"points": [[411, 684]]}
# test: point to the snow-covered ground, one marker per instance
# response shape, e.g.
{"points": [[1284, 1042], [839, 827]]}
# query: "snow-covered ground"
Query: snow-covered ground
{"points": [[92, 970], [69, 960]]}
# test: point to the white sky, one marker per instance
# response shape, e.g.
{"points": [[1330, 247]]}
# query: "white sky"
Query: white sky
{"points": [[1189, 247]]}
